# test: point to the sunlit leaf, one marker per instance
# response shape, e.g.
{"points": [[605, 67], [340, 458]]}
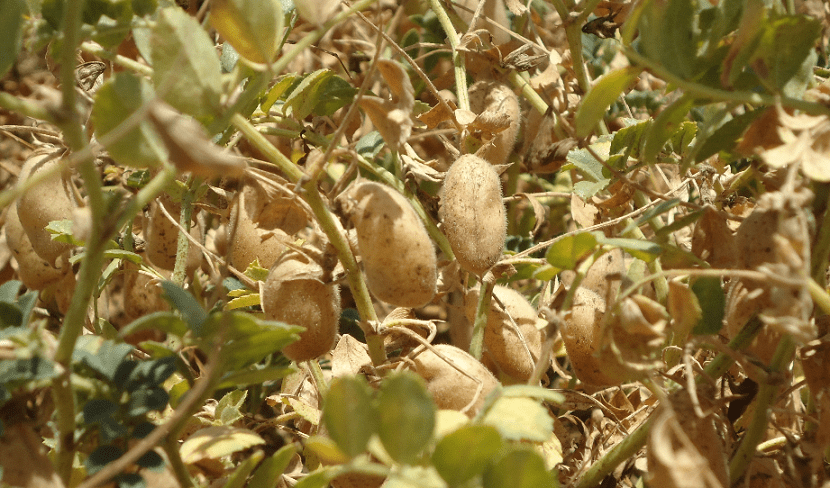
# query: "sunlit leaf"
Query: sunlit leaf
{"points": [[665, 124], [268, 473], [566, 253], [350, 414], [254, 29], [712, 300], [521, 467], [407, 416], [116, 101], [11, 23], [518, 418], [600, 96], [215, 442], [466, 452]]}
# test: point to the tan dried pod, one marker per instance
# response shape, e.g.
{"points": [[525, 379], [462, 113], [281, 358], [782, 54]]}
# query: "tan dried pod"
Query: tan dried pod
{"points": [[473, 214], [294, 293], [249, 241], [450, 388], [142, 293], [49, 201], [272, 209], [398, 255], [513, 345], [162, 237], [582, 329], [498, 114], [34, 271]]}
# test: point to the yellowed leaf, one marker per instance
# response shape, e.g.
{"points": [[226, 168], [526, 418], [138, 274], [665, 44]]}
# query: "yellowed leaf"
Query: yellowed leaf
{"points": [[216, 442]]}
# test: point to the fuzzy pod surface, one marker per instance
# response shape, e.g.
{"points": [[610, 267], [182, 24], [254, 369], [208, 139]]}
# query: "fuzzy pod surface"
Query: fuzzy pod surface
{"points": [[398, 255], [49, 201], [294, 293], [473, 214], [451, 389]]}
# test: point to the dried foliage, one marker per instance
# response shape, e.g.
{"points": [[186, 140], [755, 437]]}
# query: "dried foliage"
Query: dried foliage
{"points": [[478, 243]]}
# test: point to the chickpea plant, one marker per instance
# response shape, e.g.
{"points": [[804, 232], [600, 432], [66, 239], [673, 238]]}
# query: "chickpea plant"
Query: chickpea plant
{"points": [[302, 243]]}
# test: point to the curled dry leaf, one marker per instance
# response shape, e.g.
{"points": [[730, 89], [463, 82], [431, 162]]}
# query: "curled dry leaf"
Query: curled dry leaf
{"points": [[685, 451], [806, 141], [398, 255], [773, 239], [190, 149], [392, 117], [493, 18], [498, 119], [294, 293], [473, 214]]}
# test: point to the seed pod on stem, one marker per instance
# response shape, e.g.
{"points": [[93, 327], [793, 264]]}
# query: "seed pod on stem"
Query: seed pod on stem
{"points": [[473, 214], [294, 293], [397, 253]]}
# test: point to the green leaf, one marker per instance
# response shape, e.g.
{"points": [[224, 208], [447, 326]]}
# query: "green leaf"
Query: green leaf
{"points": [[317, 479], [280, 90], [144, 400], [61, 231], [666, 123], [785, 44], [241, 379], [186, 70], [519, 418], [350, 415], [11, 23], [370, 145], [103, 356], [466, 452], [167, 322], [227, 410], [239, 476], [246, 300], [649, 214], [566, 253], [151, 460], [668, 35], [647, 251], [249, 339], [100, 457], [130, 480], [98, 409], [521, 467], [318, 92], [268, 473], [254, 29], [629, 140], [414, 477], [407, 416], [726, 136], [712, 300], [191, 310], [600, 96], [116, 101]]}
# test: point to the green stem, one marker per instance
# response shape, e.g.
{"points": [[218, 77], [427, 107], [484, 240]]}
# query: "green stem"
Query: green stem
{"points": [[821, 247], [485, 294], [171, 448], [117, 59], [325, 219], [637, 439], [69, 120], [317, 375], [714, 94], [25, 107], [763, 403], [183, 243], [457, 56], [819, 296]]}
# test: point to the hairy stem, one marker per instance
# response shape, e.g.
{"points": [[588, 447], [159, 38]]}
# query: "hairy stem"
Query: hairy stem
{"points": [[457, 55], [485, 294]]}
